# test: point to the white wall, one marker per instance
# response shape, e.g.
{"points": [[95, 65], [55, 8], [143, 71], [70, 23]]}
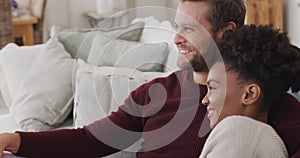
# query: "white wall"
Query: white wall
{"points": [[173, 3], [292, 20], [68, 13], [147, 12], [161, 13]]}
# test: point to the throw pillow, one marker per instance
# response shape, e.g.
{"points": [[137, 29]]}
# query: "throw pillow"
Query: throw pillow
{"points": [[100, 90], [78, 41], [14, 64], [43, 99], [107, 51]]}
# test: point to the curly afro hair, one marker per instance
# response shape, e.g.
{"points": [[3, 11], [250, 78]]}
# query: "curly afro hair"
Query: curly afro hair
{"points": [[263, 55]]}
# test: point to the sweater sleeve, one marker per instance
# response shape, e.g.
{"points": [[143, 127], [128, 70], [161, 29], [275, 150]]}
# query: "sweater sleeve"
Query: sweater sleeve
{"points": [[239, 136], [284, 118], [101, 138], [94, 140], [62, 143]]}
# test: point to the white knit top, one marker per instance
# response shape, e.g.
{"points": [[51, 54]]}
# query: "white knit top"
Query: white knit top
{"points": [[243, 137]]}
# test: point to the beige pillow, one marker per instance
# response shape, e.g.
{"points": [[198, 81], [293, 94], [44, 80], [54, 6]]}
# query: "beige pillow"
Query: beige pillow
{"points": [[107, 51]]}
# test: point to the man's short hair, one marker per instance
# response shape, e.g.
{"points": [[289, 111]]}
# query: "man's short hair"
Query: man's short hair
{"points": [[223, 11]]}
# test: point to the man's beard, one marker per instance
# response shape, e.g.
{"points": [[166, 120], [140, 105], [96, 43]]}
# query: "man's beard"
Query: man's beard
{"points": [[196, 64], [201, 62]]}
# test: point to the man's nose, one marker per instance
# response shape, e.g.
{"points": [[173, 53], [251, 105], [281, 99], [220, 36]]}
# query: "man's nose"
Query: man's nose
{"points": [[179, 39]]}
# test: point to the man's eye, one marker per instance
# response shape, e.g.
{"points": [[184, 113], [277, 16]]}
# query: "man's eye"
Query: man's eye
{"points": [[175, 27], [188, 29]]}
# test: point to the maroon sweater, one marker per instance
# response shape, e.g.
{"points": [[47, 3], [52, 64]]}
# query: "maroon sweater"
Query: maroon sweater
{"points": [[169, 122]]}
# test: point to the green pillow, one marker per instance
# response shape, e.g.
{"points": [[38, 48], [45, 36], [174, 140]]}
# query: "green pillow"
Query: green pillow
{"points": [[78, 41], [107, 51]]}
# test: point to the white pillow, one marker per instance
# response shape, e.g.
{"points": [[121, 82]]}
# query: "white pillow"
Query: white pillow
{"points": [[44, 97], [106, 51], [14, 64], [3, 107], [156, 31], [8, 124], [100, 90]]}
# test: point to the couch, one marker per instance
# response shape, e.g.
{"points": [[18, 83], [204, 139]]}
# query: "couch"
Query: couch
{"points": [[81, 75]]}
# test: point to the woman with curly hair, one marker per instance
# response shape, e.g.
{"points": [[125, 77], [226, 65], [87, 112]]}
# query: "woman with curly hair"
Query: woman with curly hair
{"points": [[257, 65]]}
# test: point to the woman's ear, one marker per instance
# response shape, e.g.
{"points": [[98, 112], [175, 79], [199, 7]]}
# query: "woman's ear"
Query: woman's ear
{"points": [[251, 94]]}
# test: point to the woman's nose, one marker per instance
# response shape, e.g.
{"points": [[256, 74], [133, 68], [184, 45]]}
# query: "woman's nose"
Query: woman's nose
{"points": [[205, 100]]}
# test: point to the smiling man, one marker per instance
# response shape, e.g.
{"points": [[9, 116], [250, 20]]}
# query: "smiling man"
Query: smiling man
{"points": [[166, 113]]}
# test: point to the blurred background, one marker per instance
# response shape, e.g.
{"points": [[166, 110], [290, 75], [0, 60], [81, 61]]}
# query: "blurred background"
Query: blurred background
{"points": [[283, 14]]}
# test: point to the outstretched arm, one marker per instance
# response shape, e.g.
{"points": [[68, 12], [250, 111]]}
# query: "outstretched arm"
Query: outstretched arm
{"points": [[9, 142], [81, 142], [73, 143]]}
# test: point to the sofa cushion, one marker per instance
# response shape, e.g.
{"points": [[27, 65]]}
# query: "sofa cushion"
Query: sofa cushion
{"points": [[14, 64], [107, 51], [45, 94], [100, 90], [78, 41]]}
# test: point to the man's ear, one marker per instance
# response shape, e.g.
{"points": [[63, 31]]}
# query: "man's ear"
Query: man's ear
{"points": [[229, 26], [251, 94]]}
